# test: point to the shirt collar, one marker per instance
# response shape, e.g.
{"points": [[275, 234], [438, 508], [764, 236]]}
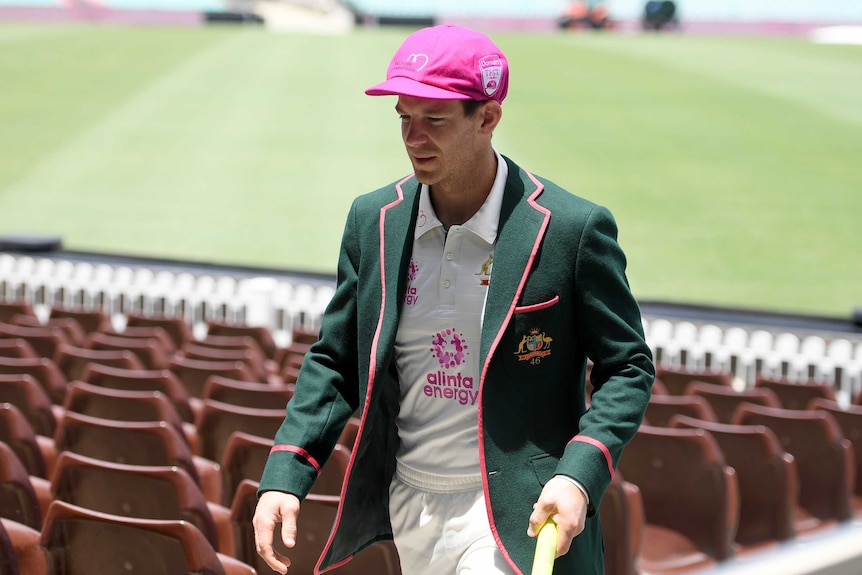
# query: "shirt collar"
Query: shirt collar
{"points": [[483, 223]]}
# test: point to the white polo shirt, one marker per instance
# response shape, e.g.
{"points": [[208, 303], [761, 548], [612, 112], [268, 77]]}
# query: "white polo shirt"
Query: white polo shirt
{"points": [[437, 344]]}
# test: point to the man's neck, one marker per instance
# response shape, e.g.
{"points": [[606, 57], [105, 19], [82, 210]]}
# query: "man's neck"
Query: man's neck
{"points": [[455, 204]]}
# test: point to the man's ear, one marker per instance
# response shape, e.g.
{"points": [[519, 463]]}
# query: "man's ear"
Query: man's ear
{"points": [[492, 112]]}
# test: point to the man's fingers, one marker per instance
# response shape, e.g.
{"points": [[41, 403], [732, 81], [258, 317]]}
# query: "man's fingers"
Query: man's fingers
{"points": [[273, 508], [288, 531]]}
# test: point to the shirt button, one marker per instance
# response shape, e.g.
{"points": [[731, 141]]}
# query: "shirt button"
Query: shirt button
{"points": [[446, 284], [449, 256]]}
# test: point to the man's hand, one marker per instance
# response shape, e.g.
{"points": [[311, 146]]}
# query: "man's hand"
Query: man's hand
{"points": [[563, 502], [275, 507]]}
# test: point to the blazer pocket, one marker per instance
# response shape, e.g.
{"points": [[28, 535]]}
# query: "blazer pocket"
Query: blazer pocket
{"points": [[537, 306], [545, 466]]}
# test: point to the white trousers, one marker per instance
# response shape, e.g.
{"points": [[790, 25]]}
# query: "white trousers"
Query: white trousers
{"points": [[443, 533]]}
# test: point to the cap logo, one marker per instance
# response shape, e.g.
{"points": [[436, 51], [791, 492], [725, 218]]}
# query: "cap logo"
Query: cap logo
{"points": [[414, 59], [492, 73]]}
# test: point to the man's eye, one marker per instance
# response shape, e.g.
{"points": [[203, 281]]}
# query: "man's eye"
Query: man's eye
{"points": [[403, 117]]}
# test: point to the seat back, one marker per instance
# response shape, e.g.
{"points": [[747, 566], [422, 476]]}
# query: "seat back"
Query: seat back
{"points": [[153, 443], [675, 380], [42, 369], [150, 351], [724, 399], [795, 395], [247, 394], [260, 334], [316, 517], [25, 393], [162, 380], [20, 553], [18, 499], [9, 309], [71, 329], [849, 419], [16, 347], [176, 327], [121, 405], [685, 485], [766, 475], [251, 355], [80, 541], [218, 420], [44, 340], [662, 407], [193, 373], [89, 320], [824, 458], [71, 360], [18, 434], [148, 492], [622, 516]]}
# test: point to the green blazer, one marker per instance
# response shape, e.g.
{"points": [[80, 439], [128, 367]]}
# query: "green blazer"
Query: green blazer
{"points": [[558, 295]]}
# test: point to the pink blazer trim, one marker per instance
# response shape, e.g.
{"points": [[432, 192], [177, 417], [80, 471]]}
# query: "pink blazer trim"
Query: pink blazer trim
{"points": [[537, 306], [512, 308], [299, 451], [372, 371], [601, 446]]}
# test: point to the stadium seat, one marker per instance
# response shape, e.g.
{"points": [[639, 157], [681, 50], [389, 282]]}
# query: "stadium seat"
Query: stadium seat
{"points": [[89, 320], [218, 420], [42, 369], [146, 492], [18, 499], [314, 524], [20, 553], [25, 393], [676, 380], [795, 395], [766, 475], [662, 407], [260, 334], [125, 405], [81, 541], [16, 348], [176, 327], [150, 351], [251, 357], [690, 498], [153, 443], [36, 456], [72, 359], [245, 457], [724, 399], [162, 380], [72, 330], [850, 421], [44, 340], [147, 332], [9, 309], [622, 516], [193, 373], [824, 460], [247, 394]]}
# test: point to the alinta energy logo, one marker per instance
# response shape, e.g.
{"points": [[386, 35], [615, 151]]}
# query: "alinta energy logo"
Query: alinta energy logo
{"points": [[411, 297], [450, 349]]}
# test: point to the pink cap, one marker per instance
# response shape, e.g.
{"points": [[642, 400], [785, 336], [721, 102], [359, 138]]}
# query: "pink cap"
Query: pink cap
{"points": [[446, 63]]}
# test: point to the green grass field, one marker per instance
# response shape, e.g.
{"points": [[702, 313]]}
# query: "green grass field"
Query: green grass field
{"points": [[733, 165]]}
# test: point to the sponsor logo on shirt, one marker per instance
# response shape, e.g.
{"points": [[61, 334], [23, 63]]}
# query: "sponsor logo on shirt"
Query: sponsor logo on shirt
{"points": [[484, 272], [450, 350], [411, 297]]}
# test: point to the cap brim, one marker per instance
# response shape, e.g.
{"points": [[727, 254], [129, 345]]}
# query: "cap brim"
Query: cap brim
{"points": [[400, 86]]}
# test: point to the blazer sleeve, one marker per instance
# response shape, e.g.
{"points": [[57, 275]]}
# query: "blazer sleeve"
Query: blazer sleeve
{"points": [[610, 328], [327, 391]]}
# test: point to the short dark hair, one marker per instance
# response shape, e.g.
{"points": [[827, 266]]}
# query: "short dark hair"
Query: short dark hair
{"points": [[470, 106]]}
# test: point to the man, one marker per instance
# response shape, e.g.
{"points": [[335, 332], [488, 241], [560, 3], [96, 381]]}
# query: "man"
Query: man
{"points": [[469, 296]]}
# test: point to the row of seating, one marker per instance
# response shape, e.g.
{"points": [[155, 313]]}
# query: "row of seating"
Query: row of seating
{"points": [[724, 472]]}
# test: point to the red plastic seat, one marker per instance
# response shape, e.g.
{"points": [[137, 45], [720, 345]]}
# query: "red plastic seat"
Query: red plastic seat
{"points": [[150, 351], [724, 399], [9, 309], [623, 524], [71, 329], [766, 474], [247, 394], [219, 420], [795, 395], [316, 517], [690, 498], [16, 348], [25, 393], [662, 407], [18, 499], [44, 340], [176, 327], [824, 460], [193, 373], [260, 334], [73, 359], [20, 553], [89, 320], [80, 541], [676, 380], [42, 369], [850, 421], [19, 435]]}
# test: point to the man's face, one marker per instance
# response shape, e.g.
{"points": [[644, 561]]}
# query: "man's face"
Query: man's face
{"points": [[442, 142]]}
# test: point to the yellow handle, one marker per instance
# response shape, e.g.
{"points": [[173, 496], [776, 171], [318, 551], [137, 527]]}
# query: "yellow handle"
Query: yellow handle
{"points": [[546, 549]]}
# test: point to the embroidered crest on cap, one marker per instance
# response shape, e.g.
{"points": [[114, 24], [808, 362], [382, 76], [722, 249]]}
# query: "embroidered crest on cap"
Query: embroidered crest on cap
{"points": [[492, 72]]}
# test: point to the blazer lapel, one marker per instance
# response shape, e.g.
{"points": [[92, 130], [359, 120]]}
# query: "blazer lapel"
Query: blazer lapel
{"points": [[519, 235]]}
